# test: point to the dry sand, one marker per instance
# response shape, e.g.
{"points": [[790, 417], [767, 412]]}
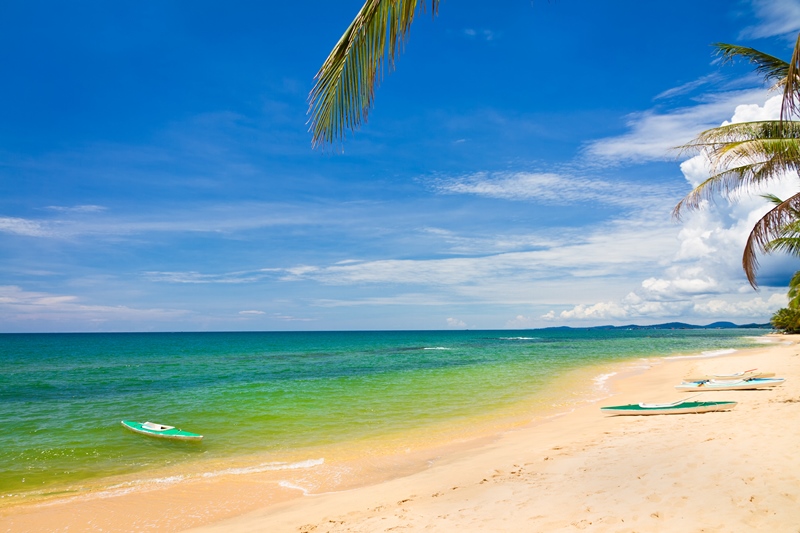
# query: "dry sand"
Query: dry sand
{"points": [[726, 471]]}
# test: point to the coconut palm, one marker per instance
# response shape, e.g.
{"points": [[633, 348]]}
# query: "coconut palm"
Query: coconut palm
{"points": [[789, 240], [788, 318], [345, 84], [746, 155]]}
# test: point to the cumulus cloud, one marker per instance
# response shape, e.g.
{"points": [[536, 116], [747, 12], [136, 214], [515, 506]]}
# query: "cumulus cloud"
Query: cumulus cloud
{"points": [[456, 323], [703, 278]]}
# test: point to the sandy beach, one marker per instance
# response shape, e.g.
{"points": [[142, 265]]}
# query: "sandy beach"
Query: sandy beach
{"points": [[724, 471]]}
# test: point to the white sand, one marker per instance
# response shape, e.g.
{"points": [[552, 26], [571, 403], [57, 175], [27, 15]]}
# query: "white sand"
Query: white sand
{"points": [[726, 471]]}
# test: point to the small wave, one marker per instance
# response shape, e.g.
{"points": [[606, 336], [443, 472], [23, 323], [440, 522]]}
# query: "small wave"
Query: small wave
{"points": [[148, 484], [266, 467], [601, 380], [768, 340], [704, 355], [436, 348], [519, 338], [288, 485]]}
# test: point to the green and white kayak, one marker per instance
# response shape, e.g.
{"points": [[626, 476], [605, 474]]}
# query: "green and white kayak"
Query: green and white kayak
{"points": [[152, 429], [675, 408]]}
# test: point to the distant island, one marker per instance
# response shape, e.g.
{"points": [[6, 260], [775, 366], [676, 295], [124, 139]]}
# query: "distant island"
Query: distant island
{"points": [[677, 325]]}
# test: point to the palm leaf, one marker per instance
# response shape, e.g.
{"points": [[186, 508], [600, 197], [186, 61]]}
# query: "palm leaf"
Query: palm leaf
{"points": [[773, 69], [771, 226], [794, 291], [345, 85], [790, 105], [742, 156]]}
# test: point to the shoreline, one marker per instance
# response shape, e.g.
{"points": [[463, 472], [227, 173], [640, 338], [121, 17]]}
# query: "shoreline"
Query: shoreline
{"points": [[460, 476]]}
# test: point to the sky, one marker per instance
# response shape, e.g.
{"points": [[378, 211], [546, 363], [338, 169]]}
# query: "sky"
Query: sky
{"points": [[518, 170]]}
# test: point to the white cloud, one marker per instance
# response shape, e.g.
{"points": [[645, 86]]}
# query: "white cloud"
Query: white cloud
{"points": [[541, 187], [289, 318], [688, 87], [456, 323], [703, 277], [252, 312], [215, 219], [18, 306], [77, 208], [777, 17], [21, 226], [654, 136], [486, 35], [248, 276]]}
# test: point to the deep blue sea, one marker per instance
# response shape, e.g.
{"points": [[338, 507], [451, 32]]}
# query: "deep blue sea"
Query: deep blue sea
{"points": [[284, 400]]}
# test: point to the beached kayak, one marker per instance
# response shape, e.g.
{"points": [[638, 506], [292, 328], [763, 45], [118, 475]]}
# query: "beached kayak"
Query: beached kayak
{"points": [[675, 408], [747, 374], [152, 429], [742, 384]]}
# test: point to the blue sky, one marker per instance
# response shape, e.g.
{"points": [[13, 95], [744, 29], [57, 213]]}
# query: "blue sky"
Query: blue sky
{"points": [[156, 172]]}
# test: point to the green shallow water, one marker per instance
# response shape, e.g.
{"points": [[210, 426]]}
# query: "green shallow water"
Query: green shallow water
{"points": [[62, 396]]}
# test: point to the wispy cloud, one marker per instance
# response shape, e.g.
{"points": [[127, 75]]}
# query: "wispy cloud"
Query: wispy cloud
{"points": [[217, 219], [654, 135], [544, 188], [775, 18], [688, 87], [482, 34], [18, 306], [25, 227], [247, 276], [77, 208]]}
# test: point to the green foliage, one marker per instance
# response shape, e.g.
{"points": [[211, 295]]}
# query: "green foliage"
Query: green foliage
{"points": [[786, 320], [747, 155], [345, 84]]}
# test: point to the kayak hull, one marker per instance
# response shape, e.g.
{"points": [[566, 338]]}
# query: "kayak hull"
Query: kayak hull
{"points": [[733, 377], [744, 384], [160, 431], [669, 409]]}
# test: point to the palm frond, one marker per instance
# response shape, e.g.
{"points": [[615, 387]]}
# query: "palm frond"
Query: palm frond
{"points": [[787, 245], [773, 69], [345, 85], [771, 198], [794, 291], [768, 228], [743, 156], [790, 105]]}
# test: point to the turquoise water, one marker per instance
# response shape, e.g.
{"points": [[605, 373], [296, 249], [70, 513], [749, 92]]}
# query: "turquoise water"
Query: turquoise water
{"points": [[62, 396]]}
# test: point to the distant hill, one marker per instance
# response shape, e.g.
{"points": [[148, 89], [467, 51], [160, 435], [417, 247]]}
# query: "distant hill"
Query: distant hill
{"points": [[679, 325]]}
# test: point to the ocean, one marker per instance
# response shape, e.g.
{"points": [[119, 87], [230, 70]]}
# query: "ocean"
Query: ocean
{"points": [[289, 402]]}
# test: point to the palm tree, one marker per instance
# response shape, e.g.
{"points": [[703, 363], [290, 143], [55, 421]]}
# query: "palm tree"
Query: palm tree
{"points": [[345, 84], [789, 239], [787, 319], [749, 154]]}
